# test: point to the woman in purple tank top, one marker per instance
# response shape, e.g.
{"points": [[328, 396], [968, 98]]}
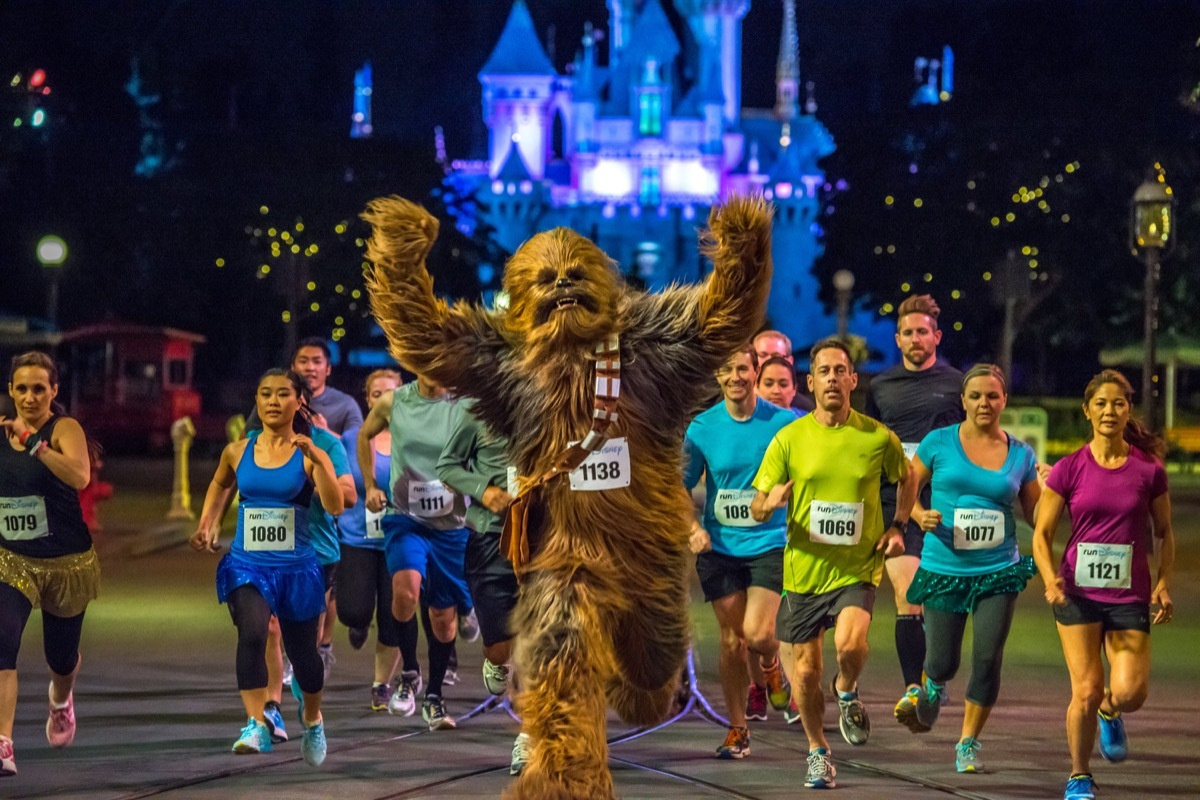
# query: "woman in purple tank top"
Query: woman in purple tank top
{"points": [[1115, 489]]}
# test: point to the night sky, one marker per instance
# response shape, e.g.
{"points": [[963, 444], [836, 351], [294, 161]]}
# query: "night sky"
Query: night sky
{"points": [[257, 101]]}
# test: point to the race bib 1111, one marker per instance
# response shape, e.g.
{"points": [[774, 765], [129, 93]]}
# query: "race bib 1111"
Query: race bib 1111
{"points": [[429, 499], [835, 523], [23, 518]]}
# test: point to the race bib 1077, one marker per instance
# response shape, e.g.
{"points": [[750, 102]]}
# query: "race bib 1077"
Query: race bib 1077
{"points": [[978, 528]]}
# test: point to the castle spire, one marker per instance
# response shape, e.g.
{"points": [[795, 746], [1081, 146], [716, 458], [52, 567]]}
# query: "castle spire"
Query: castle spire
{"points": [[787, 68]]}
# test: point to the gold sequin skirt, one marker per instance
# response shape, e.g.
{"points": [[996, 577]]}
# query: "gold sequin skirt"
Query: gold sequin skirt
{"points": [[62, 586]]}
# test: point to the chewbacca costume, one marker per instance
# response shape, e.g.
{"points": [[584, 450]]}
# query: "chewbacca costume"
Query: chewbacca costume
{"points": [[602, 617]]}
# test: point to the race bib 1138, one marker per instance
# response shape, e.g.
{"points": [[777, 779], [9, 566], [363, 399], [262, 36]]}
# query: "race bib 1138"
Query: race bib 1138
{"points": [[606, 468]]}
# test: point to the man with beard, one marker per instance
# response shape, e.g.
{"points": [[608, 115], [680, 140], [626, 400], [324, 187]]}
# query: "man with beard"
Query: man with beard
{"points": [[827, 467], [913, 398]]}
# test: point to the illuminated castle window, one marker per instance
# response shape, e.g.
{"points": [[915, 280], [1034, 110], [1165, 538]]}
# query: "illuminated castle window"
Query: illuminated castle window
{"points": [[650, 190], [650, 114]]}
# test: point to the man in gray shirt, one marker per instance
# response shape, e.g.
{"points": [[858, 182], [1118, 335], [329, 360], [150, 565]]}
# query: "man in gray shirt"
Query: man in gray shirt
{"points": [[333, 410]]}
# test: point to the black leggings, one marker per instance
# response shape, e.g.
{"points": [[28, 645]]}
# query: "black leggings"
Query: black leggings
{"points": [[365, 588], [993, 617], [252, 616], [60, 635]]}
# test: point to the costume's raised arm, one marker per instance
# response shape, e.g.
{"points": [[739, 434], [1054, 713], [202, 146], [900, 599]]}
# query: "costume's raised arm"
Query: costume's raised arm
{"points": [[456, 346], [734, 297]]}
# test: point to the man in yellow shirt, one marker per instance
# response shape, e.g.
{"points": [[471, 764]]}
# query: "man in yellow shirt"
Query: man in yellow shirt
{"points": [[827, 466]]}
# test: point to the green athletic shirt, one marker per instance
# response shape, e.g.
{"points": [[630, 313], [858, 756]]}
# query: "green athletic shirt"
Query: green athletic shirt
{"points": [[832, 465], [420, 428]]}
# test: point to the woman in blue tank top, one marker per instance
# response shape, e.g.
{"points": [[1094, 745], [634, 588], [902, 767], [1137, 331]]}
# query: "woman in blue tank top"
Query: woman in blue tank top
{"points": [[271, 568], [46, 555]]}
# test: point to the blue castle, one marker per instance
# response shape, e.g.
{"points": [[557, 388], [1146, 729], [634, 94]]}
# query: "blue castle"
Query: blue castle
{"points": [[633, 154]]}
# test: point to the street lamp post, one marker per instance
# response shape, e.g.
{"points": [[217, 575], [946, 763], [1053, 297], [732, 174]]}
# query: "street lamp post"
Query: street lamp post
{"points": [[1151, 236], [51, 253], [843, 282]]}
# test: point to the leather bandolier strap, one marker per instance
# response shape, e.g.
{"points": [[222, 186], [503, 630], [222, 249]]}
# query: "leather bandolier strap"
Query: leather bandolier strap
{"points": [[515, 540]]}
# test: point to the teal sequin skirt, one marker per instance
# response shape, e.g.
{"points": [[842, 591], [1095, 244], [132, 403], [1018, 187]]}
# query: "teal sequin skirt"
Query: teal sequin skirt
{"points": [[959, 594]]}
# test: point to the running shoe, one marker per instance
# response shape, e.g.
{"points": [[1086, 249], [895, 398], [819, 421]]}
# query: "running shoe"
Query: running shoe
{"points": [[273, 716], [791, 714], [60, 725], [520, 754], [288, 672], [966, 756], [8, 764], [495, 678], [468, 626], [821, 771], [451, 676], [930, 700], [906, 711], [1114, 744], [756, 702], [1080, 787], [853, 721], [404, 698], [737, 744], [328, 659], [380, 694], [433, 711], [255, 738], [312, 744], [358, 637], [779, 690]]}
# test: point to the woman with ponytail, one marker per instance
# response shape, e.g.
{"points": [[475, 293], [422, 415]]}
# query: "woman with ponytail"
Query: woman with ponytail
{"points": [[1115, 489]]}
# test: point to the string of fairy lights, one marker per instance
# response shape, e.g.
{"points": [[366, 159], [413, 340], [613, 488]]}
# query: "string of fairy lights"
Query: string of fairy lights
{"points": [[1027, 200], [288, 252]]}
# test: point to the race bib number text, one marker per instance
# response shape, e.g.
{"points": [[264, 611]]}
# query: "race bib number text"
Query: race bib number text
{"points": [[835, 523], [23, 518], [375, 523], [429, 499], [1103, 566], [978, 528], [268, 529], [606, 468], [731, 508]]}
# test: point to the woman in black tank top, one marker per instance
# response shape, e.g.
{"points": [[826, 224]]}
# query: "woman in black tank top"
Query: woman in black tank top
{"points": [[46, 555]]}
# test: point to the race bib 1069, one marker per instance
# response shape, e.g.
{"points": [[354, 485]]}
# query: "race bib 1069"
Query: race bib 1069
{"points": [[1103, 566], [23, 518], [429, 499], [268, 529], [375, 523], [731, 508], [835, 523], [606, 468], [978, 528]]}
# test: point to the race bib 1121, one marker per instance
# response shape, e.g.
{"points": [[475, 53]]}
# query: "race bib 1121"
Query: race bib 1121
{"points": [[835, 523], [1103, 566]]}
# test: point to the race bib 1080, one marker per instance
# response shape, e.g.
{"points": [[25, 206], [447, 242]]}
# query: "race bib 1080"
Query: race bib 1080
{"points": [[1103, 566], [268, 529], [731, 508], [978, 528], [835, 523], [23, 518], [606, 468]]}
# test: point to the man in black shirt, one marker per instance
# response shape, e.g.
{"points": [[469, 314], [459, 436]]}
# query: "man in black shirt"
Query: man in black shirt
{"points": [[913, 398]]}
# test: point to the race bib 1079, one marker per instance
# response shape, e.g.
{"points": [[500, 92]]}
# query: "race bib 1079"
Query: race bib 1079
{"points": [[23, 518]]}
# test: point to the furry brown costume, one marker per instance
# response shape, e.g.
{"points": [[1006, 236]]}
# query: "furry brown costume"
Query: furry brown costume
{"points": [[603, 613]]}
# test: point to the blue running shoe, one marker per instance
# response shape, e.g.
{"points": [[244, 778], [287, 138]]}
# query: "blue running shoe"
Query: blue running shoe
{"points": [[929, 702], [1114, 744], [273, 715], [821, 771], [312, 744], [966, 756], [255, 738], [1080, 787]]}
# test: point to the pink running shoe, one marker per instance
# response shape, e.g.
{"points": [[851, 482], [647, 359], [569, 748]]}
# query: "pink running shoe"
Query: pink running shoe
{"points": [[60, 727], [8, 766]]}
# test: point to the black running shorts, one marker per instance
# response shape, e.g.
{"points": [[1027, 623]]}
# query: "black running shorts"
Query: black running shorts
{"points": [[803, 617], [722, 575]]}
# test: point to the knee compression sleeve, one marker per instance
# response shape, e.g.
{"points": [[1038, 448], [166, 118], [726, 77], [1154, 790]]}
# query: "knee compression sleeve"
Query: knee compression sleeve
{"points": [[300, 642], [251, 615], [60, 641], [910, 646]]}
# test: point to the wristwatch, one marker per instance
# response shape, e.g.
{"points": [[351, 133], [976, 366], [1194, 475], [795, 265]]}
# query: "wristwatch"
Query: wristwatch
{"points": [[899, 525]]}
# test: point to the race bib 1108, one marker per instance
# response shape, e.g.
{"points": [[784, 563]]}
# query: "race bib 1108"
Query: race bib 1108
{"points": [[23, 518], [978, 528], [268, 529], [731, 508], [606, 468], [835, 523], [1103, 566]]}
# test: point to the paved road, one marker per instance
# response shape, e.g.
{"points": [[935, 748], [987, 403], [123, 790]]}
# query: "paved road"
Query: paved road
{"points": [[158, 708]]}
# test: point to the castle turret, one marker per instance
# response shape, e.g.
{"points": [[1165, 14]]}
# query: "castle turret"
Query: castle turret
{"points": [[586, 94], [518, 86], [717, 26], [787, 68]]}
